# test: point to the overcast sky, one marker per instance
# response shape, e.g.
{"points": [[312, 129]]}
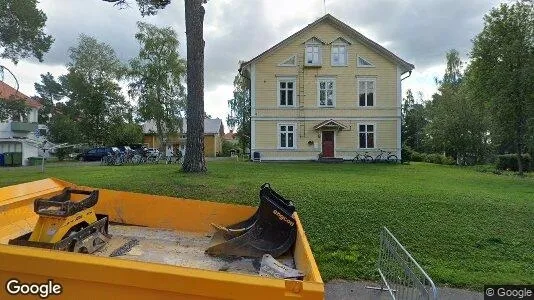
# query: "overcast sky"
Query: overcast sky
{"points": [[419, 31]]}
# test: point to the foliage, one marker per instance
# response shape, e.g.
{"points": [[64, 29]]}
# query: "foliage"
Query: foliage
{"points": [[146, 7], [406, 154], [239, 115], [49, 91], [455, 120], [124, 134], [509, 162], [157, 75], [14, 109], [414, 121], [63, 129], [95, 98], [227, 147], [21, 30], [463, 235], [502, 69], [433, 158]]}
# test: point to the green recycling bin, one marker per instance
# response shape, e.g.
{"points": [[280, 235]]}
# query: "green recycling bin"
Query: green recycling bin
{"points": [[17, 159], [8, 159]]}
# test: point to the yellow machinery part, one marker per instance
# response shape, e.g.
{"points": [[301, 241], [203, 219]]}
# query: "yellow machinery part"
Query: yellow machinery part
{"points": [[50, 229]]}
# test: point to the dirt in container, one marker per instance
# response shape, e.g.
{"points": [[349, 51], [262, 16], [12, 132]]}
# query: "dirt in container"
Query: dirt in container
{"points": [[177, 248]]}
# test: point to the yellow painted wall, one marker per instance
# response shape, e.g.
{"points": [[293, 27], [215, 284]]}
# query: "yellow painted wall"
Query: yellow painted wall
{"points": [[346, 141], [385, 72], [209, 145], [212, 143], [385, 113]]}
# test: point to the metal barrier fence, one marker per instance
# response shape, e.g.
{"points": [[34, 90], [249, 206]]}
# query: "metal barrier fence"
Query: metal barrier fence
{"points": [[402, 276]]}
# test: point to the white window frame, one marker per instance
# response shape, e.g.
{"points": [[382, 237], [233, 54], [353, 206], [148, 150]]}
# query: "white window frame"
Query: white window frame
{"points": [[326, 79], [360, 79], [294, 64], [338, 45], [286, 79], [279, 132], [320, 54], [363, 66], [358, 135]]}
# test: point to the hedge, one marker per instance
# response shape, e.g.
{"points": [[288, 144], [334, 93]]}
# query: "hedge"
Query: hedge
{"points": [[509, 162]]}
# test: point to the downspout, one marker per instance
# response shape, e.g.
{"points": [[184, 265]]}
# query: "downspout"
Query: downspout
{"points": [[409, 74]]}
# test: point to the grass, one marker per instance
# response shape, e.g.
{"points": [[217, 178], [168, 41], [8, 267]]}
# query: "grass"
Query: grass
{"points": [[465, 228]]}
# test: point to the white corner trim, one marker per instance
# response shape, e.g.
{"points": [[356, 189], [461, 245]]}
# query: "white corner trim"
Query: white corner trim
{"points": [[399, 112], [252, 134], [253, 90]]}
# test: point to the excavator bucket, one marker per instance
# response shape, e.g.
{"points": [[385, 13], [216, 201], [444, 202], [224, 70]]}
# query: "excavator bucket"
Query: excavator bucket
{"points": [[270, 230]]}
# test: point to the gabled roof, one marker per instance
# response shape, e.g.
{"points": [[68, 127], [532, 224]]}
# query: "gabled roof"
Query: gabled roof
{"points": [[211, 126], [9, 93], [329, 124], [344, 27]]}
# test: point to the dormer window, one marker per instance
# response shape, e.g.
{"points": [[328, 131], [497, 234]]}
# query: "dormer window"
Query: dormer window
{"points": [[339, 55], [313, 54]]}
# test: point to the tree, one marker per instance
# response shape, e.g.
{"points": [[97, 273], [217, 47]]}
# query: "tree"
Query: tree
{"points": [[157, 75], [124, 134], [240, 111], [456, 122], [95, 98], [413, 122], [146, 7], [503, 72], [14, 109], [49, 91], [21, 30], [194, 160]]}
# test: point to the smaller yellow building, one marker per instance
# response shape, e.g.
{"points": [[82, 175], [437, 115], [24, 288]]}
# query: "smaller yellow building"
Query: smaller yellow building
{"points": [[213, 133]]}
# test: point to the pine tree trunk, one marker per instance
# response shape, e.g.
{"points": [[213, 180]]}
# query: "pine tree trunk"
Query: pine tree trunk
{"points": [[194, 161]]}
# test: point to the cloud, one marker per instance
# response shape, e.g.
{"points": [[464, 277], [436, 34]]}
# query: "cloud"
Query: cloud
{"points": [[419, 31]]}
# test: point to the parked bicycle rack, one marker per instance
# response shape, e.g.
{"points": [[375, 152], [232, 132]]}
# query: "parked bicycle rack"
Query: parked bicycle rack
{"points": [[402, 276]]}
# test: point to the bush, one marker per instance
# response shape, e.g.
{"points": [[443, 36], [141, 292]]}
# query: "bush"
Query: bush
{"points": [[509, 162], [419, 157], [406, 154]]}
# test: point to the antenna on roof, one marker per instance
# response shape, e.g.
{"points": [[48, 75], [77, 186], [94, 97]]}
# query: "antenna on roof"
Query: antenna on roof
{"points": [[324, 5]]}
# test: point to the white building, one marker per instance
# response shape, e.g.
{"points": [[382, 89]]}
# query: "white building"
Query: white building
{"points": [[20, 136]]}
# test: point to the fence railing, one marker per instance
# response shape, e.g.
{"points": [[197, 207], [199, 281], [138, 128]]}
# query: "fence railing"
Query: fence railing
{"points": [[401, 275]]}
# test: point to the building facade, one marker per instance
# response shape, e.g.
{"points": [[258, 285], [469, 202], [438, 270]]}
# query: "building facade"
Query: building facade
{"points": [[325, 91], [213, 136], [20, 137]]}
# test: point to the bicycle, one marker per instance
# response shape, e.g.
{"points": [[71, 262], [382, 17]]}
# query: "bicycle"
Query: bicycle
{"points": [[362, 158], [386, 156]]}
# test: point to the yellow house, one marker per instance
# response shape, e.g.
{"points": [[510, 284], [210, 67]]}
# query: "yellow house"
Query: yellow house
{"points": [[213, 135], [327, 91]]}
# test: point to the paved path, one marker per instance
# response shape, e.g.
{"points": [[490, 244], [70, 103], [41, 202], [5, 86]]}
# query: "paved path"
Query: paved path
{"points": [[345, 290]]}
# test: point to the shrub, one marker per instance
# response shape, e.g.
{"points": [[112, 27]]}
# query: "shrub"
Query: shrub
{"points": [[509, 162], [406, 154]]}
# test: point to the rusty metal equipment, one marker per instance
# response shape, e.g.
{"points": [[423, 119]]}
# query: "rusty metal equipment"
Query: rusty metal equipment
{"points": [[67, 225], [270, 230]]}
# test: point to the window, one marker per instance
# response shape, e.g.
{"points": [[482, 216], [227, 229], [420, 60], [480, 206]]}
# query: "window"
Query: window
{"points": [[339, 55], [363, 63], [313, 55], [366, 91], [367, 136], [326, 92], [290, 62], [286, 91], [286, 136]]}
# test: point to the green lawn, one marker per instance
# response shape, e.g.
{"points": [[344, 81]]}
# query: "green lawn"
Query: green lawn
{"points": [[465, 228]]}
